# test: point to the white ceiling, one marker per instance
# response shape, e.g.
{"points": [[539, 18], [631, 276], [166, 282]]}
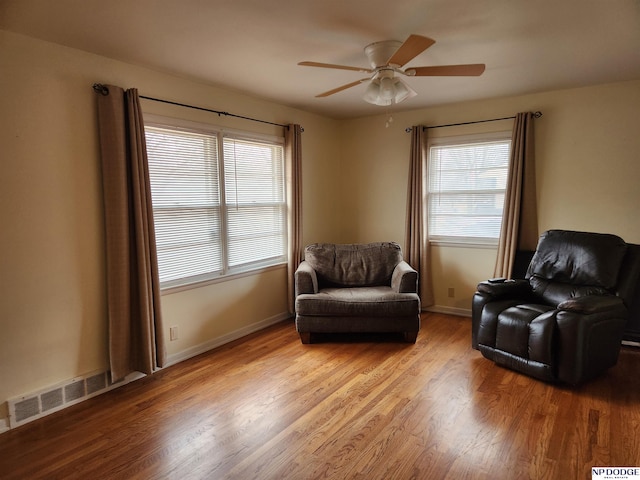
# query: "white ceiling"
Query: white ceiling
{"points": [[253, 46]]}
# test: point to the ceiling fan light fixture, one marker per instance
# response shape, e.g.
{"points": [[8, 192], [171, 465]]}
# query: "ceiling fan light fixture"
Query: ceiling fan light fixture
{"points": [[403, 91], [387, 91], [372, 93]]}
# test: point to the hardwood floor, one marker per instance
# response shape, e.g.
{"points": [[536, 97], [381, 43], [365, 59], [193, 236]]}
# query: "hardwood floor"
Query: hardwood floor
{"points": [[268, 407]]}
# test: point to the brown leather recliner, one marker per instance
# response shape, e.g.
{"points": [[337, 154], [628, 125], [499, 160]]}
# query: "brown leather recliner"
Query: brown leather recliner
{"points": [[565, 321]]}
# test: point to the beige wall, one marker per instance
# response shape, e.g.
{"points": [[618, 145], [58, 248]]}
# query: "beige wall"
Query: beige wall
{"points": [[52, 302], [588, 166]]}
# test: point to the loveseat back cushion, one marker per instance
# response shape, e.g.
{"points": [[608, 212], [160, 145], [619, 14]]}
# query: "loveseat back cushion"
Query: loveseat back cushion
{"points": [[565, 259], [353, 265]]}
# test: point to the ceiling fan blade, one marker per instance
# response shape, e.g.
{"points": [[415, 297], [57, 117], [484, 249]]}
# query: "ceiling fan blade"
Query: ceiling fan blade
{"points": [[339, 67], [343, 87], [411, 48], [470, 70]]}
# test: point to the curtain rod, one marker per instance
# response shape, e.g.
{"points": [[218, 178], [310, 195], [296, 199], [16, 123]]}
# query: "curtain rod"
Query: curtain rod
{"points": [[103, 90], [535, 115]]}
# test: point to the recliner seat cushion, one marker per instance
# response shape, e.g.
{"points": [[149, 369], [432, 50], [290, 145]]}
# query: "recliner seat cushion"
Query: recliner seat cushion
{"points": [[353, 265], [527, 331], [525, 340]]}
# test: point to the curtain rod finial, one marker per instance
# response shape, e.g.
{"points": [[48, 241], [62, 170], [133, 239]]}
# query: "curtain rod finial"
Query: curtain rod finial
{"points": [[101, 89]]}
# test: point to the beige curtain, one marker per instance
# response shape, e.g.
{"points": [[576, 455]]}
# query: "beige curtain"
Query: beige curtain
{"points": [[293, 159], [136, 341], [416, 251], [520, 218]]}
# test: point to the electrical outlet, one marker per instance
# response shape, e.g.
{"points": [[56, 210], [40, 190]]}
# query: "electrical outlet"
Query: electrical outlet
{"points": [[173, 333], [452, 292]]}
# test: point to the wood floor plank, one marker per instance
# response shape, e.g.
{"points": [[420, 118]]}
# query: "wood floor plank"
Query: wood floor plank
{"points": [[349, 407]]}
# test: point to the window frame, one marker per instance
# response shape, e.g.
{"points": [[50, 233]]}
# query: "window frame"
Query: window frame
{"points": [[461, 140], [227, 272]]}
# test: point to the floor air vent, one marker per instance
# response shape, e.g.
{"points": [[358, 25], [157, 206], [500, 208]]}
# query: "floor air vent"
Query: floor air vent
{"points": [[52, 399], [27, 408]]}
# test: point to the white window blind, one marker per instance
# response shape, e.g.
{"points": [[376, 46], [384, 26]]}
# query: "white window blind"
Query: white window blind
{"points": [[206, 227], [255, 201], [466, 184]]}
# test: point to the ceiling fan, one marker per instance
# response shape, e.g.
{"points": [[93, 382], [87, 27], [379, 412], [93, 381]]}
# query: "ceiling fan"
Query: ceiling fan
{"points": [[387, 59]]}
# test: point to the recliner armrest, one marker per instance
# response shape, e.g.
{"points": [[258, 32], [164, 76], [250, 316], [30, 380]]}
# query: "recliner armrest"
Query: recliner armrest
{"points": [[306, 280], [591, 304], [507, 288], [590, 341], [404, 278]]}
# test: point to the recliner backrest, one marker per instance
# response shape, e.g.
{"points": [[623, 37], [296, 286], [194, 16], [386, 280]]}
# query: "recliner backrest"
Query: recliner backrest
{"points": [[628, 288], [570, 264]]}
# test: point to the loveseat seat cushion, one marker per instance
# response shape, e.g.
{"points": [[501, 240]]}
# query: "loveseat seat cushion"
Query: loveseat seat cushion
{"points": [[358, 302], [353, 265]]}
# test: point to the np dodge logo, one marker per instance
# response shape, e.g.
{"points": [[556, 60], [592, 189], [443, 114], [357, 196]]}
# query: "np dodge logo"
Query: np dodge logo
{"points": [[616, 473]]}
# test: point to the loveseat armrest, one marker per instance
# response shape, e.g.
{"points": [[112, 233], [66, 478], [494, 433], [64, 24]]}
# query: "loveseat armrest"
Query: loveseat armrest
{"points": [[306, 280], [404, 278], [504, 289]]}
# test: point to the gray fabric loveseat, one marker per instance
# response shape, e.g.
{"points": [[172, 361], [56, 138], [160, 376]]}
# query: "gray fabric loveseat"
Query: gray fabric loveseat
{"points": [[343, 288]]}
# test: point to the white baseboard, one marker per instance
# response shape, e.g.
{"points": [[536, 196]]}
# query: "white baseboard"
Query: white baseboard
{"points": [[461, 312], [4, 425], [229, 337]]}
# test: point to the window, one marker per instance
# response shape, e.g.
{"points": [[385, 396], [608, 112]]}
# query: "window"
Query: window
{"points": [[466, 183], [219, 201]]}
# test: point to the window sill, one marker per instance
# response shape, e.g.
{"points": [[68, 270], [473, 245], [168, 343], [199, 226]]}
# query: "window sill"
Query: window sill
{"points": [[219, 279], [465, 243]]}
